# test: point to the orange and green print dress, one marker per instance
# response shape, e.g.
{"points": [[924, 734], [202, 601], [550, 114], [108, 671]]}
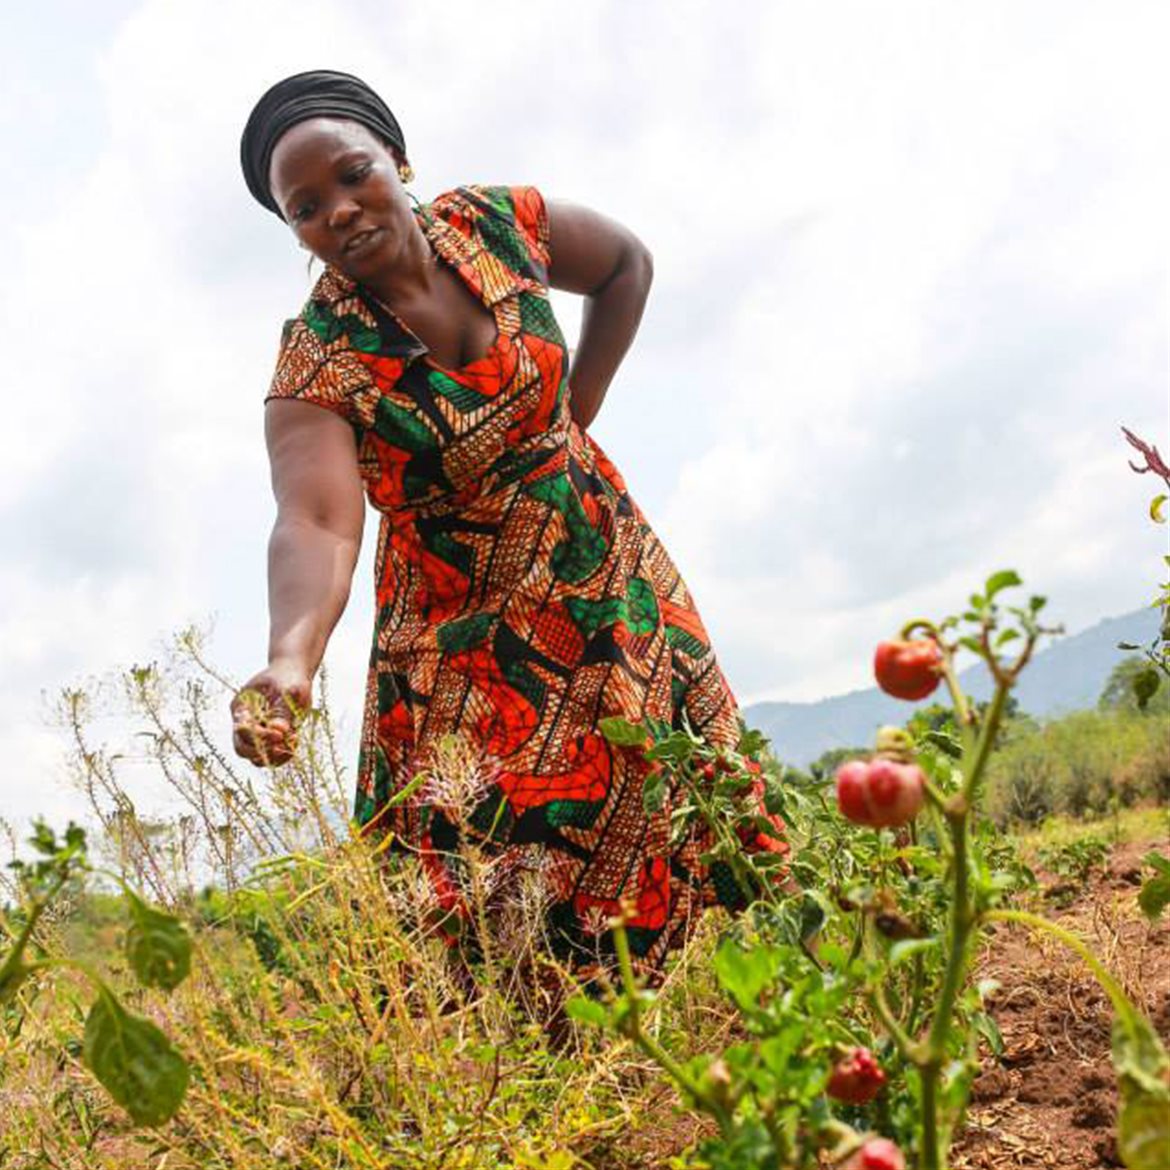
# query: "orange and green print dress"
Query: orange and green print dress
{"points": [[521, 596]]}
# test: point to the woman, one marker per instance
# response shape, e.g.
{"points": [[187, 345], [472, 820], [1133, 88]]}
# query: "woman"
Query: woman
{"points": [[521, 597]]}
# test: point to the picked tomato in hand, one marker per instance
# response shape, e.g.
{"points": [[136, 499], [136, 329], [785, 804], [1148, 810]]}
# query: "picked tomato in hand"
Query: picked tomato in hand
{"points": [[908, 669]]}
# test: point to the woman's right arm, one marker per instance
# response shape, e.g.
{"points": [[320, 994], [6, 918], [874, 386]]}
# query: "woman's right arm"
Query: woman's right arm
{"points": [[314, 547]]}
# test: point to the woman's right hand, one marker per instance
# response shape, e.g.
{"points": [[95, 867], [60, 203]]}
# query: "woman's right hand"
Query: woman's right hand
{"points": [[265, 713]]}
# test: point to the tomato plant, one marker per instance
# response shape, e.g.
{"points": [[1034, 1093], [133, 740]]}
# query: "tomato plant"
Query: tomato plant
{"points": [[861, 1023], [130, 1056]]}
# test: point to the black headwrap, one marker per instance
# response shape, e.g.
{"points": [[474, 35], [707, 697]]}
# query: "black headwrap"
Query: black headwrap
{"points": [[320, 93]]}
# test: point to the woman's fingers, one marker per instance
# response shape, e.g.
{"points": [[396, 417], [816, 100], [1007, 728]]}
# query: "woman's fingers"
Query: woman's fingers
{"points": [[263, 744], [263, 729]]}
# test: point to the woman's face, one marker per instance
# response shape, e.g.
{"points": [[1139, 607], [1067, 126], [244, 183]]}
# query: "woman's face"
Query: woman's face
{"points": [[337, 186]]}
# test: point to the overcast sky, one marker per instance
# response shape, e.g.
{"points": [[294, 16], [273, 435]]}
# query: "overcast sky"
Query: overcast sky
{"points": [[911, 276]]}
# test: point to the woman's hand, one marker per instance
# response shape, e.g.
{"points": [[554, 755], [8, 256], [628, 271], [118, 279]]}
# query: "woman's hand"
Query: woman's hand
{"points": [[266, 711]]}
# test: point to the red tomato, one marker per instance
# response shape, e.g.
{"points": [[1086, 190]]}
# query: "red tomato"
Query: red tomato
{"points": [[908, 670], [879, 792], [877, 1154], [856, 1078]]}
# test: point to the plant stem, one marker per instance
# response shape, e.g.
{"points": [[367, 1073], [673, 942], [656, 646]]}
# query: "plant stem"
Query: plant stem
{"points": [[963, 920], [1121, 1002], [650, 1046]]}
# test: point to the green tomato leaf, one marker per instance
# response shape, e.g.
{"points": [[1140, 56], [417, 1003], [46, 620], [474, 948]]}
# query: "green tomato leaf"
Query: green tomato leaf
{"points": [[1155, 892], [622, 733], [814, 913], [587, 1011], [745, 974], [678, 747], [134, 1061], [654, 793], [751, 742], [1004, 579], [158, 946], [907, 948], [1143, 1076]]}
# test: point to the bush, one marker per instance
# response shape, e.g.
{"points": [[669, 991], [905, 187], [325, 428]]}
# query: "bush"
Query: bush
{"points": [[1085, 763]]}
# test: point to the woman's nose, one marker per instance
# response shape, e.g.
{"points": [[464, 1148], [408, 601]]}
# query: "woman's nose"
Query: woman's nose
{"points": [[344, 213]]}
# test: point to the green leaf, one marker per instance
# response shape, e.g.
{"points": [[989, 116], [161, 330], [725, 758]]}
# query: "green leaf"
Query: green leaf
{"points": [[1004, 579], [1037, 603], [677, 747], [654, 792], [745, 974], [157, 946], [1155, 892], [135, 1062], [989, 1030], [587, 1011], [972, 644], [1143, 1120], [1157, 509], [1006, 637], [907, 948], [814, 913], [1128, 646], [622, 733], [751, 742]]}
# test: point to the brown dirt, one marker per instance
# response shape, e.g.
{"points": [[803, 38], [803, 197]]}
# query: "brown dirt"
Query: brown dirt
{"points": [[1051, 1101]]}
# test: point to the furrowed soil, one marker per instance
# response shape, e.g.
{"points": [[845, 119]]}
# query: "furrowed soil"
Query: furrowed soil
{"points": [[1051, 1100]]}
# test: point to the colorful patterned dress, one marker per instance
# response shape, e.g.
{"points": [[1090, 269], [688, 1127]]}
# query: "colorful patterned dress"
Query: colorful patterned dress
{"points": [[521, 595]]}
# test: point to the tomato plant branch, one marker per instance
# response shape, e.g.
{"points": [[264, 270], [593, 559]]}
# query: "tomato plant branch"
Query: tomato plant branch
{"points": [[1113, 989], [631, 1025], [901, 1038]]}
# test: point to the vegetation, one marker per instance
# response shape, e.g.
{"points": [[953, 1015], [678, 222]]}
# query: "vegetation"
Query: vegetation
{"points": [[325, 1023]]}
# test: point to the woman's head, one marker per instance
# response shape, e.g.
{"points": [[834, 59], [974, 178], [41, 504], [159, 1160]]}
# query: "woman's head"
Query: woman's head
{"points": [[312, 96]]}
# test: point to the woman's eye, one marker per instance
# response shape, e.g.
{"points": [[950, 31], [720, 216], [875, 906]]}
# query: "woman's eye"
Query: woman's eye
{"points": [[302, 213], [358, 173]]}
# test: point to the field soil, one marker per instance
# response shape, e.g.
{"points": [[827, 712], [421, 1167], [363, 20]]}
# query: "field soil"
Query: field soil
{"points": [[1051, 1100]]}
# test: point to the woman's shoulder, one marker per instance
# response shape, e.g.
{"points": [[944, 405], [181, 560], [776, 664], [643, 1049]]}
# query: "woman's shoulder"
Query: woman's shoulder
{"points": [[499, 213]]}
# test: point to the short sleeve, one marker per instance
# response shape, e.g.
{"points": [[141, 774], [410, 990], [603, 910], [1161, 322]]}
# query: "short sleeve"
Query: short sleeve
{"points": [[513, 223], [328, 353], [531, 216]]}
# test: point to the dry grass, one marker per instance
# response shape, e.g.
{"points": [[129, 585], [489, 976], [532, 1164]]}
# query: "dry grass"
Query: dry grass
{"points": [[326, 1021]]}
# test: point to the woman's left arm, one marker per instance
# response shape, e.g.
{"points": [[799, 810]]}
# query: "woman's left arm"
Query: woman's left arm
{"points": [[608, 265]]}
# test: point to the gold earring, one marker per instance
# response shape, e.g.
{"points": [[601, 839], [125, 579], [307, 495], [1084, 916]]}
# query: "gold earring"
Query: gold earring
{"points": [[405, 172]]}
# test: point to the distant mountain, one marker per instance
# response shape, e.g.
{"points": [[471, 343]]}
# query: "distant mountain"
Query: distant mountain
{"points": [[1068, 676]]}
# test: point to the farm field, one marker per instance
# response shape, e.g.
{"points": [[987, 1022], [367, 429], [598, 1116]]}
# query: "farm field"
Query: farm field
{"points": [[958, 959]]}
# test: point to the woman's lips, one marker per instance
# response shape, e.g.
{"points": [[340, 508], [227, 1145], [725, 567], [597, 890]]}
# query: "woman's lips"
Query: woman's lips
{"points": [[362, 242]]}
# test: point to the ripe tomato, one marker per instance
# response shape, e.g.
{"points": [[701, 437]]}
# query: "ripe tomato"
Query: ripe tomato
{"points": [[880, 793], [877, 1154], [856, 1078], [908, 670]]}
